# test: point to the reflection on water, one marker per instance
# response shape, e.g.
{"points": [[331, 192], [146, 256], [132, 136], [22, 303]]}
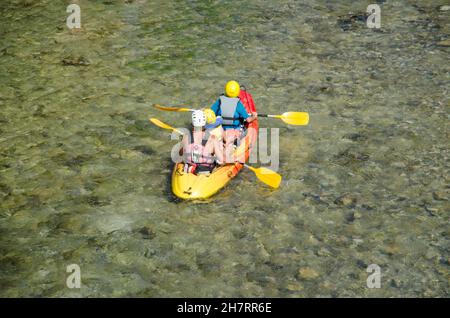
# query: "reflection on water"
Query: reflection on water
{"points": [[84, 176]]}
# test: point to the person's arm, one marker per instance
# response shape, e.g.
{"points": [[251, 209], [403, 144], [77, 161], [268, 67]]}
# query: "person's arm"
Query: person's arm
{"points": [[218, 151], [214, 147], [215, 107], [252, 117], [244, 114], [184, 143]]}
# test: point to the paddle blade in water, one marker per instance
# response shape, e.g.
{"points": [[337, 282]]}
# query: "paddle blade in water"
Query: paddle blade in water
{"points": [[295, 118], [268, 176]]}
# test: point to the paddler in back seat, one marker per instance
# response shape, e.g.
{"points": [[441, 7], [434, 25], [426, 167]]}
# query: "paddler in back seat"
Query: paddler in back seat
{"points": [[233, 112], [199, 150]]}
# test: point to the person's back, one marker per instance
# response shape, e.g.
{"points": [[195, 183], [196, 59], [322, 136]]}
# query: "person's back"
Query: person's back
{"points": [[233, 113]]}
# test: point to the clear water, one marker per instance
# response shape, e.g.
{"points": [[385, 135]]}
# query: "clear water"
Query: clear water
{"points": [[84, 177]]}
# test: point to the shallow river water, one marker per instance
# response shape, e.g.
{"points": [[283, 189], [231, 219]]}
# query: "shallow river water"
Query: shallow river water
{"points": [[84, 177]]}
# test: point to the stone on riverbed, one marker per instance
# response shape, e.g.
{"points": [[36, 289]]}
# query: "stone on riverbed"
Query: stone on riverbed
{"points": [[147, 233], [76, 61], [445, 43], [440, 196], [345, 200], [351, 20], [146, 150], [294, 286], [307, 273]]}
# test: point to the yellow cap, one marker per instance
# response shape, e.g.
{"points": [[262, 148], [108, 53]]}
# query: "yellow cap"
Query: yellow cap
{"points": [[210, 116], [232, 89]]}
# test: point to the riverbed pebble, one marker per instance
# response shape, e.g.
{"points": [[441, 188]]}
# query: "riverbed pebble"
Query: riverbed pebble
{"points": [[445, 43], [147, 232], [307, 273], [345, 200]]}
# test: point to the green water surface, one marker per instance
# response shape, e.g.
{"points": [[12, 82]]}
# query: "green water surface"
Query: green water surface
{"points": [[84, 177]]}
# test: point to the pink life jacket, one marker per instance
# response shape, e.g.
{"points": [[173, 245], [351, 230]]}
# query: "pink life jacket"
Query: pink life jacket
{"points": [[196, 154]]}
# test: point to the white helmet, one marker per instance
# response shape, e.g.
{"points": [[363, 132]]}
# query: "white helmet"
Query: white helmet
{"points": [[198, 118]]}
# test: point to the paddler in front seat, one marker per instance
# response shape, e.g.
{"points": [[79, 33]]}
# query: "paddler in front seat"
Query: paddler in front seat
{"points": [[233, 112], [198, 153]]}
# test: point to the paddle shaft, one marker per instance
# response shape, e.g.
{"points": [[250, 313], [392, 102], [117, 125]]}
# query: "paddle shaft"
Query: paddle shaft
{"points": [[292, 118], [259, 115]]}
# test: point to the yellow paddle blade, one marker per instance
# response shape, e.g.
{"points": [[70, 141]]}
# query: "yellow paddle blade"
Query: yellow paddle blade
{"points": [[159, 123], [269, 177], [173, 109], [295, 118]]}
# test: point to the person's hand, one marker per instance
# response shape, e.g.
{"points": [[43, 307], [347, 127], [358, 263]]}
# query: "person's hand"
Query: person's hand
{"points": [[255, 114]]}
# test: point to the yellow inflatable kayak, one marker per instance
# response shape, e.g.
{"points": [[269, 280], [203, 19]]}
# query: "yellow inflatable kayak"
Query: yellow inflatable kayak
{"points": [[191, 186]]}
